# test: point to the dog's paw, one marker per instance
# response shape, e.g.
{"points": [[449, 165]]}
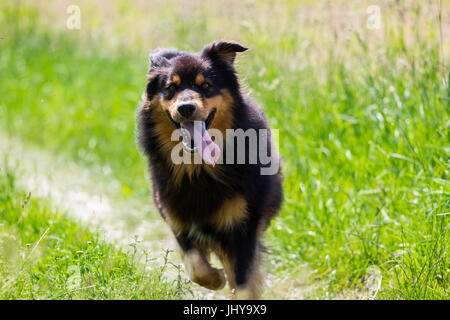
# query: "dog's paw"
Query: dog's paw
{"points": [[244, 294], [213, 280], [201, 272]]}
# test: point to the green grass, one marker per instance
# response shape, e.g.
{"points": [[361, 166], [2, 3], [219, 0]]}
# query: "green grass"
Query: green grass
{"points": [[45, 255], [363, 119]]}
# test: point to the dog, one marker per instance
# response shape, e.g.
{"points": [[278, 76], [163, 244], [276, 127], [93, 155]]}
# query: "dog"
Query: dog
{"points": [[211, 205]]}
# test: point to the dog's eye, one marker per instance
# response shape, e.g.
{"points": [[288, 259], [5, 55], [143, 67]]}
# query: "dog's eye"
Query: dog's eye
{"points": [[206, 86], [170, 90]]}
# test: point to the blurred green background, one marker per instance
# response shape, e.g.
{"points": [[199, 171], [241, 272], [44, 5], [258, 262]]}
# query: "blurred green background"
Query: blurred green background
{"points": [[363, 115]]}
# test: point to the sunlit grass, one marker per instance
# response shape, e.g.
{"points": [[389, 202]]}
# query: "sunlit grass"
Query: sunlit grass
{"points": [[45, 255], [363, 118]]}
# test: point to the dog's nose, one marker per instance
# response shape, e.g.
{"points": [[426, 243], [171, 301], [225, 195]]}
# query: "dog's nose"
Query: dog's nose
{"points": [[187, 109]]}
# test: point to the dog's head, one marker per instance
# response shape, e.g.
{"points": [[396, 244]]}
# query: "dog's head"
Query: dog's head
{"points": [[188, 86], [194, 87]]}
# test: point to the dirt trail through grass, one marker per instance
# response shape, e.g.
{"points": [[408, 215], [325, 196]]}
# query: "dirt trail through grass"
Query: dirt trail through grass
{"points": [[92, 198], [81, 193]]}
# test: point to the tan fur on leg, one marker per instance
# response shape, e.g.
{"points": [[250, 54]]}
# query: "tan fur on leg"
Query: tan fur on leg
{"points": [[228, 266], [201, 272]]}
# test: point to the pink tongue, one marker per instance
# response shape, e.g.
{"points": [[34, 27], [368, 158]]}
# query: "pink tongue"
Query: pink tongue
{"points": [[209, 150]]}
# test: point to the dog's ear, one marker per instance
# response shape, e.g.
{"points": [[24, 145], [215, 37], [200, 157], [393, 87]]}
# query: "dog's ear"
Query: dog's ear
{"points": [[159, 58], [223, 50]]}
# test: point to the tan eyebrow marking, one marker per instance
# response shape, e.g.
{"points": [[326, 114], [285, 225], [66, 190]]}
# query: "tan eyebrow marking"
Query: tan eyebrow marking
{"points": [[176, 79], [199, 79]]}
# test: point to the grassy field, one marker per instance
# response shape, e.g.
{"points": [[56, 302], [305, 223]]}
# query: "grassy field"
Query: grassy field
{"points": [[46, 255], [363, 117]]}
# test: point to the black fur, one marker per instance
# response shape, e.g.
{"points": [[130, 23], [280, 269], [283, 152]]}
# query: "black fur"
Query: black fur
{"points": [[197, 198]]}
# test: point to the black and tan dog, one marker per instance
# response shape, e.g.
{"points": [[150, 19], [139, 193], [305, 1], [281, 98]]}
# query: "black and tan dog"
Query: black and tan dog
{"points": [[221, 208]]}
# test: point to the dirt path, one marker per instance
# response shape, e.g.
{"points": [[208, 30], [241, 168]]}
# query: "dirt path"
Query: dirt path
{"points": [[80, 192]]}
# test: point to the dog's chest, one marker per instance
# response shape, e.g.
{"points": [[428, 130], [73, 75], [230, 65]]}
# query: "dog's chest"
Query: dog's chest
{"points": [[230, 213]]}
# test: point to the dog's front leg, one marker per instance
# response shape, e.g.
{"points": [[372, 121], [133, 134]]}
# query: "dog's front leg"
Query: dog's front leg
{"points": [[246, 259], [197, 266]]}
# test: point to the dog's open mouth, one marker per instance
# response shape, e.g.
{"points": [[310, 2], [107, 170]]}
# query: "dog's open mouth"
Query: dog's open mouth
{"points": [[196, 138]]}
